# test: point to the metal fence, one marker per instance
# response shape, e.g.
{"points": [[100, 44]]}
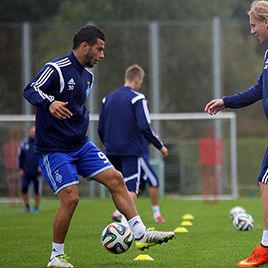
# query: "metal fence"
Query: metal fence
{"points": [[186, 63]]}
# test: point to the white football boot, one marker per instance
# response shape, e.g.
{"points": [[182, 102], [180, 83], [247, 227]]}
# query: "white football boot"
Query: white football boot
{"points": [[151, 238], [60, 261]]}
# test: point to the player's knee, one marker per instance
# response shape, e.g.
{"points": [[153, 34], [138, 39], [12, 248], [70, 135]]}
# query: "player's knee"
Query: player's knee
{"points": [[74, 200], [70, 198], [117, 181]]}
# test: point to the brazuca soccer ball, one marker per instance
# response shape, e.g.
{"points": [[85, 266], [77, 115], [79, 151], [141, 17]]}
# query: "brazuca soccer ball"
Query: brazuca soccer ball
{"points": [[243, 222], [236, 210], [116, 238]]}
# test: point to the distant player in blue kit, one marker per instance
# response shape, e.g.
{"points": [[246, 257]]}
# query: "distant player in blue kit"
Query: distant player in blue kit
{"points": [[123, 124], [29, 171], [258, 17], [59, 92]]}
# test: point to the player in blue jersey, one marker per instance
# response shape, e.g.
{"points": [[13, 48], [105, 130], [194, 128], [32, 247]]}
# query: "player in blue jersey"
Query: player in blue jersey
{"points": [[124, 123], [29, 171], [59, 92], [258, 17]]}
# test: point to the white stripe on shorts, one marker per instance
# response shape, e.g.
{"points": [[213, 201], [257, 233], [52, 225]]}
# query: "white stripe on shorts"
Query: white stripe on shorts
{"points": [[66, 185], [135, 176], [48, 170], [97, 172], [132, 177], [148, 172]]}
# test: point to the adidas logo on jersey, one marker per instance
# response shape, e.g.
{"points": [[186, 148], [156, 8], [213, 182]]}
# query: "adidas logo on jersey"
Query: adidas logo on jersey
{"points": [[71, 84]]}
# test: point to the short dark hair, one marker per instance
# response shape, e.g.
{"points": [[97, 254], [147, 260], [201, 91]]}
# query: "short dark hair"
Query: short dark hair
{"points": [[89, 33]]}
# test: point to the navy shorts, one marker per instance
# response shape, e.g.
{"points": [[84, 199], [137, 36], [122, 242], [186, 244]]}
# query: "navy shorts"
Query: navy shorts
{"points": [[263, 176], [148, 175], [26, 180], [130, 168], [61, 169]]}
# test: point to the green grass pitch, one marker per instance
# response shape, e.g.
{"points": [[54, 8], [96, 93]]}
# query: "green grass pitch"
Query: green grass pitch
{"points": [[211, 241]]}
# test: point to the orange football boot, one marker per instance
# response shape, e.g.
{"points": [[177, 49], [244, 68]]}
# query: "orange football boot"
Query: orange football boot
{"points": [[257, 258]]}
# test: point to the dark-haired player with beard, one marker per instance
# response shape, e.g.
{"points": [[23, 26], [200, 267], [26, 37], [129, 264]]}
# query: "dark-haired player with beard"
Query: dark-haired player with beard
{"points": [[59, 92]]}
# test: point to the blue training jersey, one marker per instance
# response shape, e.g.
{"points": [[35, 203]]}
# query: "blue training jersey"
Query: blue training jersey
{"points": [[27, 158], [145, 148], [253, 94], [62, 79], [124, 122]]}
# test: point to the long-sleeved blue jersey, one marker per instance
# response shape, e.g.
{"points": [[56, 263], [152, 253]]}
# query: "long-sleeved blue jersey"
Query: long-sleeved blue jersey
{"points": [[27, 158], [253, 94], [62, 79], [124, 121], [145, 148]]}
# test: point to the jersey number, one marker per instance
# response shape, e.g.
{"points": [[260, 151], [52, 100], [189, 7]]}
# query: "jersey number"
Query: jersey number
{"points": [[104, 157]]}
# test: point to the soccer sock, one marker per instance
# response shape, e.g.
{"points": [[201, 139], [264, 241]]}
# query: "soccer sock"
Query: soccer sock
{"points": [[264, 240], [57, 249], [156, 211], [124, 221], [117, 213], [137, 227]]}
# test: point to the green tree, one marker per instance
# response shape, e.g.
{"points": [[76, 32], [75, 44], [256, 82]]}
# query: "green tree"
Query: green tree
{"points": [[28, 10], [129, 10]]}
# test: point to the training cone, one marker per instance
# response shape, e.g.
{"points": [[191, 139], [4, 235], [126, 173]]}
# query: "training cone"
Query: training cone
{"points": [[143, 257], [181, 230], [186, 223], [187, 217]]}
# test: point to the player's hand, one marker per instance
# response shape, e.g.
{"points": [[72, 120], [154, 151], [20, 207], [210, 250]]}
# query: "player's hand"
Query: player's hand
{"points": [[164, 151], [21, 173], [58, 109], [214, 106]]}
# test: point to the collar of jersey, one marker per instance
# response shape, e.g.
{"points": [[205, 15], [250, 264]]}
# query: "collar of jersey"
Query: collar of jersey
{"points": [[75, 62], [126, 88]]}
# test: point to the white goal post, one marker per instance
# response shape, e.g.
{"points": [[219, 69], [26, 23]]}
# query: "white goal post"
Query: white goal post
{"points": [[230, 136], [182, 132]]}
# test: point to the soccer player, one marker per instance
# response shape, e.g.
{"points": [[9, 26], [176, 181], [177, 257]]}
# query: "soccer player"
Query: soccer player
{"points": [[29, 171], [258, 17], [147, 176], [123, 124], [64, 151]]}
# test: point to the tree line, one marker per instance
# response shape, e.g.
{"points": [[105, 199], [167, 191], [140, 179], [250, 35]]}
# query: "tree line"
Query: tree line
{"points": [[185, 47]]}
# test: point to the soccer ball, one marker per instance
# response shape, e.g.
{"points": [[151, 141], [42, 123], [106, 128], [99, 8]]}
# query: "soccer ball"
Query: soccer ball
{"points": [[116, 238], [243, 222], [236, 210]]}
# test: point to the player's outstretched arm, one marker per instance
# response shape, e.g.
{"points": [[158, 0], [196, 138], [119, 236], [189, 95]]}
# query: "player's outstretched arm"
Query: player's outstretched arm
{"points": [[214, 106], [164, 151]]}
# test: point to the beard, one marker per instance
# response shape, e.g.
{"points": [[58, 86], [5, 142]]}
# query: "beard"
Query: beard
{"points": [[89, 64], [88, 61]]}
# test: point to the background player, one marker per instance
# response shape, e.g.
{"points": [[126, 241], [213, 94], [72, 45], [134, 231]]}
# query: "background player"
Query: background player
{"points": [[29, 171], [123, 124]]}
